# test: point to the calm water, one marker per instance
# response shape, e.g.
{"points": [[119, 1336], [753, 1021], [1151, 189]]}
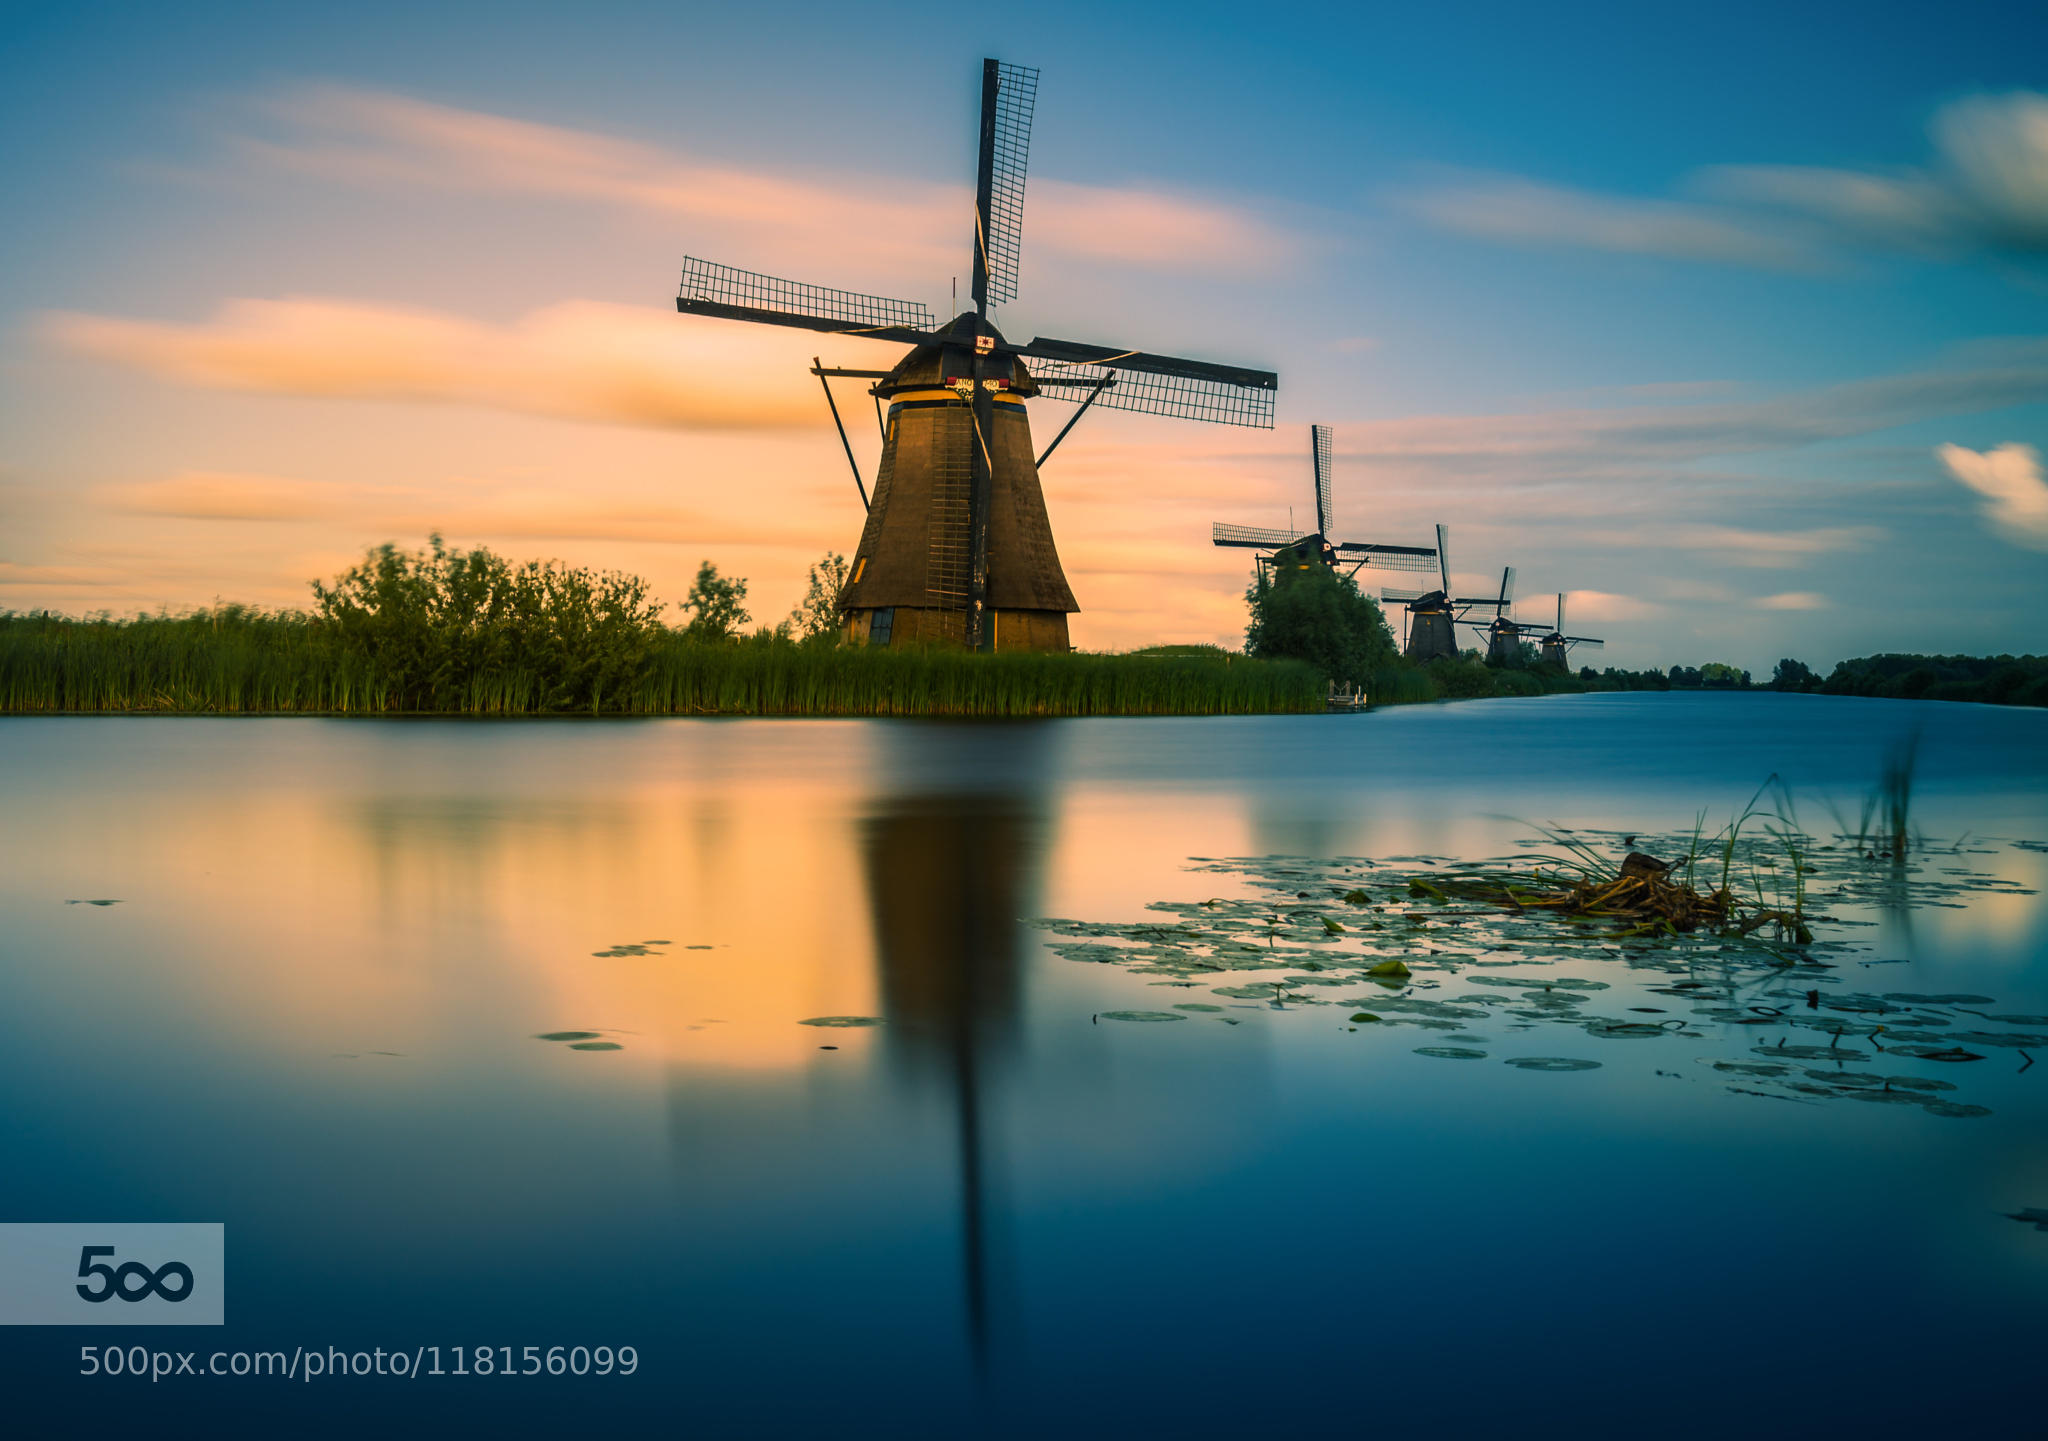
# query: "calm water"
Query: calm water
{"points": [[313, 1016]]}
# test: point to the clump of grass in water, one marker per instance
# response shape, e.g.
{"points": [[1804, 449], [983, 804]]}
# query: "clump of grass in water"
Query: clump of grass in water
{"points": [[1894, 798], [1655, 897]]}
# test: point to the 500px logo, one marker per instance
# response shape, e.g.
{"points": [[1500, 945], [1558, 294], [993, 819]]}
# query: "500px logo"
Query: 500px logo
{"points": [[147, 1282], [113, 1273]]}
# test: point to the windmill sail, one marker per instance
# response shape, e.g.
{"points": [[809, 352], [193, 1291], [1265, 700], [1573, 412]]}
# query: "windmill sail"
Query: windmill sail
{"points": [[730, 294], [1253, 536], [1418, 558], [1009, 94], [1319, 444], [1155, 384]]}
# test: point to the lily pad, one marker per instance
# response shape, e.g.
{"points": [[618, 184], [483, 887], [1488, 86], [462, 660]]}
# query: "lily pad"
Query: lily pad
{"points": [[1552, 1063], [1196, 1006], [1955, 1109], [1390, 970], [1623, 1030], [842, 1021], [567, 1036], [2034, 1216], [1451, 1053], [597, 1046], [1936, 1053], [1145, 1015]]}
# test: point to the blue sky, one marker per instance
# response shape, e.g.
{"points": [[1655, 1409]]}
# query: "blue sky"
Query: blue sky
{"points": [[1732, 323]]}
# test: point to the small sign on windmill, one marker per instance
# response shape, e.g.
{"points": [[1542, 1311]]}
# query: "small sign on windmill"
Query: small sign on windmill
{"points": [[1285, 549], [957, 547]]}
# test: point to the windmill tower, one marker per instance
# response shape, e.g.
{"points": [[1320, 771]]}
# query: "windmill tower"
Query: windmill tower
{"points": [[1556, 648], [1290, 548], [958, 548]]}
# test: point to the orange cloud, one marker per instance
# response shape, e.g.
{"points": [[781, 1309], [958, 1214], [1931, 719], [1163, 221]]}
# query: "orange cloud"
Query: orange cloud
{"points": [[208, 495], [371, 137], [580, 360]]}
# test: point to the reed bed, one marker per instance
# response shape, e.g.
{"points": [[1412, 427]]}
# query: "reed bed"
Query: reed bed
{"points": [[236, 661]]}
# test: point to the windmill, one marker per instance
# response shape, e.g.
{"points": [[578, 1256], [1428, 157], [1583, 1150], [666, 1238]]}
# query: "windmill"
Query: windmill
{"points": [[1434, 615], [1503, 634], [1293, 548], [957, 546], [1557, 646]]}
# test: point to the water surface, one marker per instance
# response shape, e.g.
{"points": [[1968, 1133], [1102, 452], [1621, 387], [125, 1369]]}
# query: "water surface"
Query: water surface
{"points": [[315, 1013]]}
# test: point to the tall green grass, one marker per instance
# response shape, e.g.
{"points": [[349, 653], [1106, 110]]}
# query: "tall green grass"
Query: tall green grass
{"points": [[239, 661]]}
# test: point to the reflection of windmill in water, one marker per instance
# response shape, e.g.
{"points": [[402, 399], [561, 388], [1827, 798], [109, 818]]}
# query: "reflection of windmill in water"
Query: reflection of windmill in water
{"points": [[1293, 548], [1556, 647], [1433, 616], [947, 878], [957, 546]]}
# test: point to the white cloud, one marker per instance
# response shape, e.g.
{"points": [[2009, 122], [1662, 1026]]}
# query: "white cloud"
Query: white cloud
{"points": [[1793, 600], [2010, 480]]}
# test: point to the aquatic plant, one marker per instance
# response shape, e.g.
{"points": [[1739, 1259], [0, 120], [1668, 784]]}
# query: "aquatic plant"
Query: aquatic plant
{"points": [[1761, 1027]]}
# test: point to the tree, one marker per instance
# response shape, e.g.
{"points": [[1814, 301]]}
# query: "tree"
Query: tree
{"points": [[449, 629], [816, 617], [1321, 617], [1794, 675], [716, 605]]}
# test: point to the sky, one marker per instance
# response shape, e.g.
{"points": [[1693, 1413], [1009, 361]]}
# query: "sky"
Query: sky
{"points": [[1728, 323]]}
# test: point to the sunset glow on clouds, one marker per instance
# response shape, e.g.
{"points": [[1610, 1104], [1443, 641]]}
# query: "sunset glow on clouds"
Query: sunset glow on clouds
{"points": [[314, 301]]}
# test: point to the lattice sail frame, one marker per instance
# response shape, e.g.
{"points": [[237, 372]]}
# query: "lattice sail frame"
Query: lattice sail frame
{"points": [[1319, 444], [726, 285], [1374, 559], [1222, 532], [1187, 398], [1016, 98]]}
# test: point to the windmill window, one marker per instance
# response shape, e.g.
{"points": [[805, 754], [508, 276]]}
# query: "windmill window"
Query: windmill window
{"points": [[880, 625]]}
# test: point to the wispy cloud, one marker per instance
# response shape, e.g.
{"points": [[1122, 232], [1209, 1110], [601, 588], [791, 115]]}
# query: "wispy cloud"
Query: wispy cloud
{"points": [[374, 138], [1510, 208], [2011, 483], [581, 360], [1793, 600], [1984, 190], [213, 495]]}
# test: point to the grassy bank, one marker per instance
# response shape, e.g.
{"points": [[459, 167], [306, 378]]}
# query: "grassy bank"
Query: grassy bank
{"points": [[235, 661]]}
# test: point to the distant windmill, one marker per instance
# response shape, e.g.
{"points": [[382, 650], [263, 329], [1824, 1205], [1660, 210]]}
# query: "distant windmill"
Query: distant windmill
{"points": [[1557, 646], [1503, 633], [957, 546], [1434, 615], [1292, 547]]}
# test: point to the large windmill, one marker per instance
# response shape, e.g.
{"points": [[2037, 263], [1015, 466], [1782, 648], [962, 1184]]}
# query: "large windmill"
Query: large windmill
{"points": [[957, 546], [1284, 547], [1556, 648]]}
